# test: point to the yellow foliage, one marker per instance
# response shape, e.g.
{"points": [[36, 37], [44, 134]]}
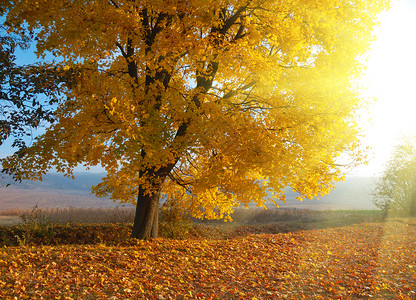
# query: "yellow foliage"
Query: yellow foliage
{"points": [[215, 103]]}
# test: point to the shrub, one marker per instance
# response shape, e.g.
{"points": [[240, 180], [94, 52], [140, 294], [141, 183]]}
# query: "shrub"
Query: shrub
{"points": [[173, 222]]}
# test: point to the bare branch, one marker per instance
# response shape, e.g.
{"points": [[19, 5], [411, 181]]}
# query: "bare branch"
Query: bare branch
{"points": [[119, 46], [114, 3], [234, 92]]}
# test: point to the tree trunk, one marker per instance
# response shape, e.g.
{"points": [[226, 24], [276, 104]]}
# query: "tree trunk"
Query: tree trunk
{"points": [[147, 215]]}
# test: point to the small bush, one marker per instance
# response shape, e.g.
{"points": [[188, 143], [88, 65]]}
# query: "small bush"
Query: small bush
{"points": [[65, 234], [35, 226], [174, 223]]}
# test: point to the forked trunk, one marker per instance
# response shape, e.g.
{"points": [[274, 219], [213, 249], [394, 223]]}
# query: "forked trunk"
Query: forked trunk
{"points": [[147, 216]]}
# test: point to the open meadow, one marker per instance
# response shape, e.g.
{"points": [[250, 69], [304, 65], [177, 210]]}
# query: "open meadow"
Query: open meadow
{"points": [[305, 255]]}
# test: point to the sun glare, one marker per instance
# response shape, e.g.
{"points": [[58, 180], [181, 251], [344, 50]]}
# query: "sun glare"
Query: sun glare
{"points": [[390, 78]]}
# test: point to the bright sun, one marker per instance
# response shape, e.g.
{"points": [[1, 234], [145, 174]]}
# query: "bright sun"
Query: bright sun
{"points": [[391, 79]]}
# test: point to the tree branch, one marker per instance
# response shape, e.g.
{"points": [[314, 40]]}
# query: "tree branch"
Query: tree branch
{"points": [[114, 3], [119, 46], [234, 92]]}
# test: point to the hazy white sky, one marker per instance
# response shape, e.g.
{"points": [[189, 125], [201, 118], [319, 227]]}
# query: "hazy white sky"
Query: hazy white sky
{"points": [[391, 78]]}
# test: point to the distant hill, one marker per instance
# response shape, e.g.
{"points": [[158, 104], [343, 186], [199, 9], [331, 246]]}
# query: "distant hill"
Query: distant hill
{"points": [[52, 181], [56, 191]]}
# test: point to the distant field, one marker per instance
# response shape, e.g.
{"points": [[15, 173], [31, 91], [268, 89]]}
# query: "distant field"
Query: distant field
{"points": [[302, 218], [69, 215]]}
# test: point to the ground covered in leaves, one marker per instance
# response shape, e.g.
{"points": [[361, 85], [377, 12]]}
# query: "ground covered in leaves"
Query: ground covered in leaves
{"points": [[375, 260]]}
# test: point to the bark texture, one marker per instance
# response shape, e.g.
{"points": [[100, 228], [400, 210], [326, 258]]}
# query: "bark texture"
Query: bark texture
{"points": [[147, 216]]}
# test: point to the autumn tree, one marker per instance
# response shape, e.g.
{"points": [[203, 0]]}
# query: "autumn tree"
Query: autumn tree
{"points": [[211, 103], [395, 190]]}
